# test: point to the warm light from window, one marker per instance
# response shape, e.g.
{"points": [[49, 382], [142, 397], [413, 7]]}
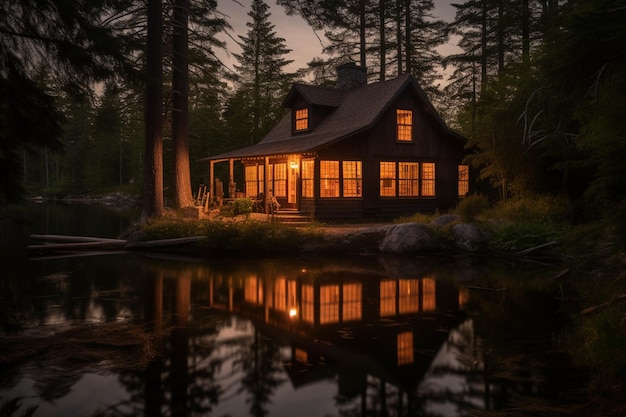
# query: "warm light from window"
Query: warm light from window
{"points": [[428, 179], [302, 119], [404, 119], [293, 312], [293, 165], [405, 348], [463, 180]]}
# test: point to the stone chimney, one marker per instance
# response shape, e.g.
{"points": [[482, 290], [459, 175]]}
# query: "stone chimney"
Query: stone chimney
{"points": [[350, 76]]}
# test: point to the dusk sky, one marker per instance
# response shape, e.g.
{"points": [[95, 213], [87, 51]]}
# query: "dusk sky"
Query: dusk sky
{"points": [[300, 38]]}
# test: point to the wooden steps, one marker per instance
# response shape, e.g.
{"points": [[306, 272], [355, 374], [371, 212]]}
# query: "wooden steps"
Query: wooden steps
{"points": [[291, 217]]}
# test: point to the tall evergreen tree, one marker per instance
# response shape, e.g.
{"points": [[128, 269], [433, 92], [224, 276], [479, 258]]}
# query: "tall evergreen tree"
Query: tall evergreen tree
{"points": [[262, 80]]}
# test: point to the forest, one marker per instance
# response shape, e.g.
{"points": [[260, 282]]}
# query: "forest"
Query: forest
{"points": [[536, 86]]}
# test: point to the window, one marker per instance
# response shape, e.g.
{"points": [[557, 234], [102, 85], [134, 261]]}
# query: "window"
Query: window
{"points": [[252, 181], [307, 303], [352, 179], [428, 179], [429, 300], [405, 348], [387, 179], [308, 174], [463, 180], [302, 120], [408, 179], [404, 120], [408, 300], [329, 178], [280, 180]]}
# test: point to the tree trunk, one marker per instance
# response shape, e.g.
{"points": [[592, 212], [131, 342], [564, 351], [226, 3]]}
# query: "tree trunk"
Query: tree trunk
{"points": [[407, 35], [483, 47], [525, 33], [383, 42], [153, 163], [180, 103], [399, 34], [362, 4]]}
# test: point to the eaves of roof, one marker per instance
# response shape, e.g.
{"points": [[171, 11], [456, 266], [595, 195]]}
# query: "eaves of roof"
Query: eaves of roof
{"points": [[360, 109]]}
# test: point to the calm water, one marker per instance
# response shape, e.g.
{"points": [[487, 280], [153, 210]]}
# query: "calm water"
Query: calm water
{"points": [[366, 336]]}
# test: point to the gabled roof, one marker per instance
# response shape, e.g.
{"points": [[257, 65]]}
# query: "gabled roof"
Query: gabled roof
{"points": [[358, 110]]}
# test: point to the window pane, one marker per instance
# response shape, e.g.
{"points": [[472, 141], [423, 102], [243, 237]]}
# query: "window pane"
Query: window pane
{"points": [[251, 182], [302, 119], [387, 298], [329, 304], [329, 178], [308, 166], [352, 301], [463, 180], [307, 303], [404, 122], [405, 348], [408, 179], [408, 301], [352, 179], [428, 179], [280, 180], [429, 300], [387, 179]]}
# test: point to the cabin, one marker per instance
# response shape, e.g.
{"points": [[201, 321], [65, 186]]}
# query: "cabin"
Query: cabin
{"points": [[356, 150]]}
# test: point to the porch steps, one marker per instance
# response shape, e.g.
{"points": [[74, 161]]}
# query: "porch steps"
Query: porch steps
{"points": [[291, 218]]}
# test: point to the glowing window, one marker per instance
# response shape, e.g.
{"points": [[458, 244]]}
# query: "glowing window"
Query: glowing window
{"points": [[329, 178], [463, 180], [307, 176], [408, 296], [280, 180], [352, 301], [387, 298], [428, 179], [429, 302], [302, 119], [405, 348], [329, 304], [352, 179], [280, 294], [387, 179], [408, 177], [253, 290], [307, 303], [404, 120]]}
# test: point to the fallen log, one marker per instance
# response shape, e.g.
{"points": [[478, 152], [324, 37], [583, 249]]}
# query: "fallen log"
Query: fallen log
{"points": [[76, 239], [165, 242], [79, 246]]}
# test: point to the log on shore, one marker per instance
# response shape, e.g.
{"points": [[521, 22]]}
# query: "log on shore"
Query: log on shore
{"points": [[74, 246], [76, 239], [165, 242]]}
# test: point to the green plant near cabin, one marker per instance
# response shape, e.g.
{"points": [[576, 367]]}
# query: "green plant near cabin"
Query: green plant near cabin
{"points": [[242, 206], [471, 207]]}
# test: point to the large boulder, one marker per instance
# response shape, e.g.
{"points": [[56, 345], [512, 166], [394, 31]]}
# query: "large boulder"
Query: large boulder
{"points": [[406, 238], [445, 219], [470, 237]]}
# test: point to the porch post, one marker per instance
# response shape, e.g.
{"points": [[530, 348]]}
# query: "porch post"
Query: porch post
{"points": [[211, 181], [266, 184], [231, 178]]}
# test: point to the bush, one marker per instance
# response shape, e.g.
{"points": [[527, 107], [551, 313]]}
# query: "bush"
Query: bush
{"points": [[471, 207], [535, 208], [242, 206]]}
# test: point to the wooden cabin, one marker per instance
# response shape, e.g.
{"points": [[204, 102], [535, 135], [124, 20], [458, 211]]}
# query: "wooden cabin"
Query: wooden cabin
{"points": [[356, 150]]}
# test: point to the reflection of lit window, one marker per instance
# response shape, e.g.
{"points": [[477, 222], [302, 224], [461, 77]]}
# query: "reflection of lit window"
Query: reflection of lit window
{"points": [[329, 304], [307, 175], [428, 179], [387, 298], [301, 356], [463, 297], [280, 296], [307, 303], [408, 297], [404, 119], [428, 294], [329, 178], [352, 301], [405, 348], [291, 297], [302, 119], [463, 186], [253, 292]]}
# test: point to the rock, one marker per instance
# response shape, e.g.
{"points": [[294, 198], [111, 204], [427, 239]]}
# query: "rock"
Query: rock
{"points": [[470, 237], [406, 238], [445, 220]]}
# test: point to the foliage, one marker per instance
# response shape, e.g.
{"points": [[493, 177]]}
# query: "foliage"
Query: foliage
{"points": [[237, 235], [513, 236], [243, 206], [471, 207], [536, 208]]}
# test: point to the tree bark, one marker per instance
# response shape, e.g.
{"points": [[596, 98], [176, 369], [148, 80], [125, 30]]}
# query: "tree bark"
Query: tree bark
{"points": [[153, 163], [180, 102]]}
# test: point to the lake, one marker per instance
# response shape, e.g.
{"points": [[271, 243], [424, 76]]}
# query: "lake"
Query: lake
{"points": [[300, 336]]}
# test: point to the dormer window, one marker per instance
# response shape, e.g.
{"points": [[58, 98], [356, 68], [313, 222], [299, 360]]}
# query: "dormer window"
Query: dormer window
{"points": [[302, 120], [404, 119]]}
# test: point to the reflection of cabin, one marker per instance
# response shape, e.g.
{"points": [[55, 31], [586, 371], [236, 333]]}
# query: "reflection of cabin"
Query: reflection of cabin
{"points": [[362, 321], [357, 150]]}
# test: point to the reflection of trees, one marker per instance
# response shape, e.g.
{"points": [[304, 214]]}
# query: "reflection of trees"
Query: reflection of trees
{"points": [[262, 366]]}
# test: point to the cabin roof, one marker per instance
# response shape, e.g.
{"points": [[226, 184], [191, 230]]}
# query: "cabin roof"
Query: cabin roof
{"points": [[356, 110]]}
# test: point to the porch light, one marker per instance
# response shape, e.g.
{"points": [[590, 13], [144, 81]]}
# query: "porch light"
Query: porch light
{"points": [[293, 165], [293, 312]]}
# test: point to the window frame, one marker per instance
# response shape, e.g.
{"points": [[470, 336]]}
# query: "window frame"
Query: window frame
{"points": [[463, 181], [299, 118], [404, 125]]}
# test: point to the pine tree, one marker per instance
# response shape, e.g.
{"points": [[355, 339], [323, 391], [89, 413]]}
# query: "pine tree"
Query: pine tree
{"points": [[261, 78]]}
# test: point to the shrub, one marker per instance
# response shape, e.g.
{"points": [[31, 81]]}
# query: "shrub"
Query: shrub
{"points": [[242, 206], [471, 207], [536, 208]]}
